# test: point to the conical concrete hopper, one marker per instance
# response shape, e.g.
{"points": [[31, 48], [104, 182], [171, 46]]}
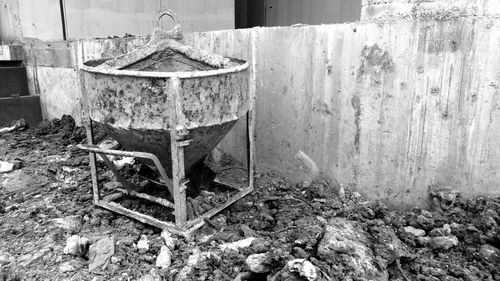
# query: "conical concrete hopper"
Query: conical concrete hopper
{"points": [[137, 106], [133, 96], [168, 105]]}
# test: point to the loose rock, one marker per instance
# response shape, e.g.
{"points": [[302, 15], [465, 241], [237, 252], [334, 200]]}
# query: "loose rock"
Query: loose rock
{"points": [[442, 242], [304, 268], [100, 252], [66, 267], [68, 223], [143, 244], [76, 246], [5, 258], [414, 231], [258, 263], [169, 239], [345, 242], [245, 243], [425, 222], [490, 253], [164, 259], [6, 167]]}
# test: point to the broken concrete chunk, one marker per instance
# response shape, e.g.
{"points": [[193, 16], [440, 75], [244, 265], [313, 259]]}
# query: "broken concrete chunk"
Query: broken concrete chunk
{"points": [[169, 239], [245, 243], [417, 232], [101, 252], [109, 144], [304, 268], [441, 231], [425, 222], [153, 275], [6, 167], [164, 259], [490, 253], [143, 244], [258, 263], [7, 129], [194, 259], [388, 247], [347, 242], [68, 223], [16, 180], [17, 125], [120, 163], [439, 242], [76, 246], [341, 192], [5, 258], [446, 196], [66, 267]]}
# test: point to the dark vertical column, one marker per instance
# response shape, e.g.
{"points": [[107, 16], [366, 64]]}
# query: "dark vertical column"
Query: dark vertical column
{"points": [[250, 13], [240, 13], [63, 18]]}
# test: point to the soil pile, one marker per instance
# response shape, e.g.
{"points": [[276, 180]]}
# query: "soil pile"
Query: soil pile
{"points": [[283, 231]]}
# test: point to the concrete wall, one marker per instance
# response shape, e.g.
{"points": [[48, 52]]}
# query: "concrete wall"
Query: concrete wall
{"points": [[393, 104], [289, 12], [27, 20], [10, 26], [97, 18]]}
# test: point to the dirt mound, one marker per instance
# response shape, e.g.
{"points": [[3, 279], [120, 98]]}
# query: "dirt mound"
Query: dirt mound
{"points": [[282, 231]]}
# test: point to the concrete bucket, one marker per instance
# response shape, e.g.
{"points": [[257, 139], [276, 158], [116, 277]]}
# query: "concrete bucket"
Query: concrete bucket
{"points": [[166, 90]]}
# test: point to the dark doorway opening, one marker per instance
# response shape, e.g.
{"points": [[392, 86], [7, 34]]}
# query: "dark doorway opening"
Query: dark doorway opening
{"points": [[250, 13]]}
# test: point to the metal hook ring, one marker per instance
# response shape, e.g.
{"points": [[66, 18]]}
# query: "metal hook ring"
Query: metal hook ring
{"points": [[169, 13]]}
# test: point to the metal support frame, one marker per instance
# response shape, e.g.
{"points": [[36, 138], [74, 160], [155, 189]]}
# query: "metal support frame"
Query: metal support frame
{"points": [[176, 185]]}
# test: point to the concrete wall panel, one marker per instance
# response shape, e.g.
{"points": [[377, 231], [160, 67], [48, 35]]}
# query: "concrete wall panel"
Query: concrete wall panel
{"points": [[392, 106], [10, 24], [289, 12], [197, 16], [59, 92], [40, 19], [95, 18], [330, 11]]}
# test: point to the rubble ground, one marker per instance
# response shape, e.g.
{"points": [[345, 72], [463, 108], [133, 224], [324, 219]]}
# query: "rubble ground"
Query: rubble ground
{"points": [[282, 231]]}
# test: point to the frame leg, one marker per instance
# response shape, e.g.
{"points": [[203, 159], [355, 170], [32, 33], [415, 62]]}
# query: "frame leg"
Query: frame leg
{"points": [[178, 178], [93, 161]]}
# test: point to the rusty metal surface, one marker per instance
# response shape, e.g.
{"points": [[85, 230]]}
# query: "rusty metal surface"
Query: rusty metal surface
{"points": [[135, 109], [142, 102], [157, 142]]}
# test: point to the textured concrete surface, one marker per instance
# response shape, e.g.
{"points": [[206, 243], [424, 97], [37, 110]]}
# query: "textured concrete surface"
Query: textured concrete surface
{"points": [[22, 21], [392, 104]]}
